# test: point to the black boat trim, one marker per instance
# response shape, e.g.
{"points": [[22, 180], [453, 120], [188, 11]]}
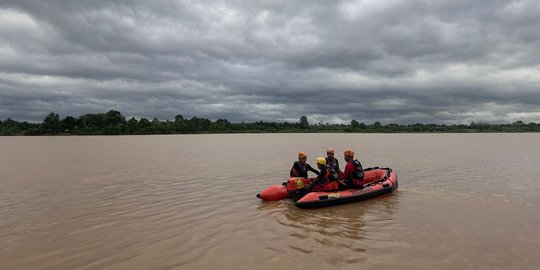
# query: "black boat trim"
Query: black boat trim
{"points": [[347, 199]]}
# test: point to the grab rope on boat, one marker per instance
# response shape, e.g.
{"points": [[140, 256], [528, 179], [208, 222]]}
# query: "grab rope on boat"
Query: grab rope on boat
{"points": [[380, 181]]}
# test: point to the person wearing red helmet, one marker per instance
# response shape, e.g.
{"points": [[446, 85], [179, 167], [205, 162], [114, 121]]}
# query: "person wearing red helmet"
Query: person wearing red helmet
{"points": [[300, 168], [353, 176]]}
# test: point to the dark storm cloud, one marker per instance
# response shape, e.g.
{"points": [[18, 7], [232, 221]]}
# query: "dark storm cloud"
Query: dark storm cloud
{"points": [[333, 61]]}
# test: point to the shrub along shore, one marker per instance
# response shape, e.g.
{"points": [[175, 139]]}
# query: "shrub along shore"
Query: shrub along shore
{"points": [[114, 123]]}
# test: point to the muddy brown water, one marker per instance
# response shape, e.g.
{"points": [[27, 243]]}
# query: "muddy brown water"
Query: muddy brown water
{"points": [[465, 201]]}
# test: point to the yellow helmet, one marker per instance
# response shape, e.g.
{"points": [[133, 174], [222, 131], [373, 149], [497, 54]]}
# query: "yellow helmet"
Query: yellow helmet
{"points": [[321, 160], [349, 152], [302, 154]]}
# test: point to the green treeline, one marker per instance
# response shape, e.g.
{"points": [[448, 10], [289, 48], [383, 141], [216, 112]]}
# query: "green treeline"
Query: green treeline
{"points": [[114, 123]]}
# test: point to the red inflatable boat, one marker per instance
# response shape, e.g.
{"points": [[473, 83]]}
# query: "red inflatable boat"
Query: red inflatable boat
{"points": [[377, 182]]}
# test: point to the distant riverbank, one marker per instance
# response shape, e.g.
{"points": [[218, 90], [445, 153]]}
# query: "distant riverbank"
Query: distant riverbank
{"points": [[114, 123]]}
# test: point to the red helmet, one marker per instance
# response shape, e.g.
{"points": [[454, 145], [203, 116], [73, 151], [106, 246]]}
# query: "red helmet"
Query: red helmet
{"points": [[349, 152], [302, 154]]}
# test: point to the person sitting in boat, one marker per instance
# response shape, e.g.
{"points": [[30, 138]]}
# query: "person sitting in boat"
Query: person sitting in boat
{"points": [[332, 161], [353, 175], [300, 168], [327, 179]]}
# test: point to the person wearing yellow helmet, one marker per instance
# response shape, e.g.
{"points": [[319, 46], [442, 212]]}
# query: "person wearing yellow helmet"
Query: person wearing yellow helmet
{"points": [[326, 181], [300, 168], [332, 161], [353, 175], [320, 161]]}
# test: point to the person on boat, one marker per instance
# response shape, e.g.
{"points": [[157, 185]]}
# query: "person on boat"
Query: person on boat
{"points": [[300, 168], [327, 179], [353, 176], [332, 161]]}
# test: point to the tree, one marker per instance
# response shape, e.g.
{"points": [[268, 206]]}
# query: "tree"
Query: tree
{"points": [[93, 120], [221, 124], [113, 118], [304, 122], [196, 124], [68, 123], [51, 123], [10, 123], [132, 125], [144, 123], [10, 127], [178, 118], [355, 124]]}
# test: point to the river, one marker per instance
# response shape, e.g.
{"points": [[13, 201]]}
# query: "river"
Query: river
{"points": [[465, 201]]}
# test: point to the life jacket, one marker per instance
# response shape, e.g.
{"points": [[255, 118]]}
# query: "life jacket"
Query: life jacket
{"points": [[328, 180], [359, 171], [330, 175], [298, 173], [333, 163]]}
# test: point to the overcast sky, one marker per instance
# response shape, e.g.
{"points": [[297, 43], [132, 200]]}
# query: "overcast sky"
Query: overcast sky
{"points": [[393, 61]]}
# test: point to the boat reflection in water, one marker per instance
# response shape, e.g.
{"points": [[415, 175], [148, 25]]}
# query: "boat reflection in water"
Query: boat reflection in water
{"points": [[342, 234]]}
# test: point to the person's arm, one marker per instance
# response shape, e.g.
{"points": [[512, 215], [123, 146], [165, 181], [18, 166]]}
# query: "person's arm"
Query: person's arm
{"points": [[316, 180], [348, 171], [296, 167], [311, 169]]}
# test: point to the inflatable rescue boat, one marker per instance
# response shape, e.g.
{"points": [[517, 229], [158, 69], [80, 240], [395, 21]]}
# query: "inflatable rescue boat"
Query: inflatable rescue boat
{"points": [[377, 182]]}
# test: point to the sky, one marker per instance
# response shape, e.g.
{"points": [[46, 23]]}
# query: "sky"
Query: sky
{"points": [[392, 61]]}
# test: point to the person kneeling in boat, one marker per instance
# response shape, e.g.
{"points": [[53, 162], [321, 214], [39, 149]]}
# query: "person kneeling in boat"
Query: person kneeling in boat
{"points": [[332, 161], [353, 176], [327, 179], [300, 168]]}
